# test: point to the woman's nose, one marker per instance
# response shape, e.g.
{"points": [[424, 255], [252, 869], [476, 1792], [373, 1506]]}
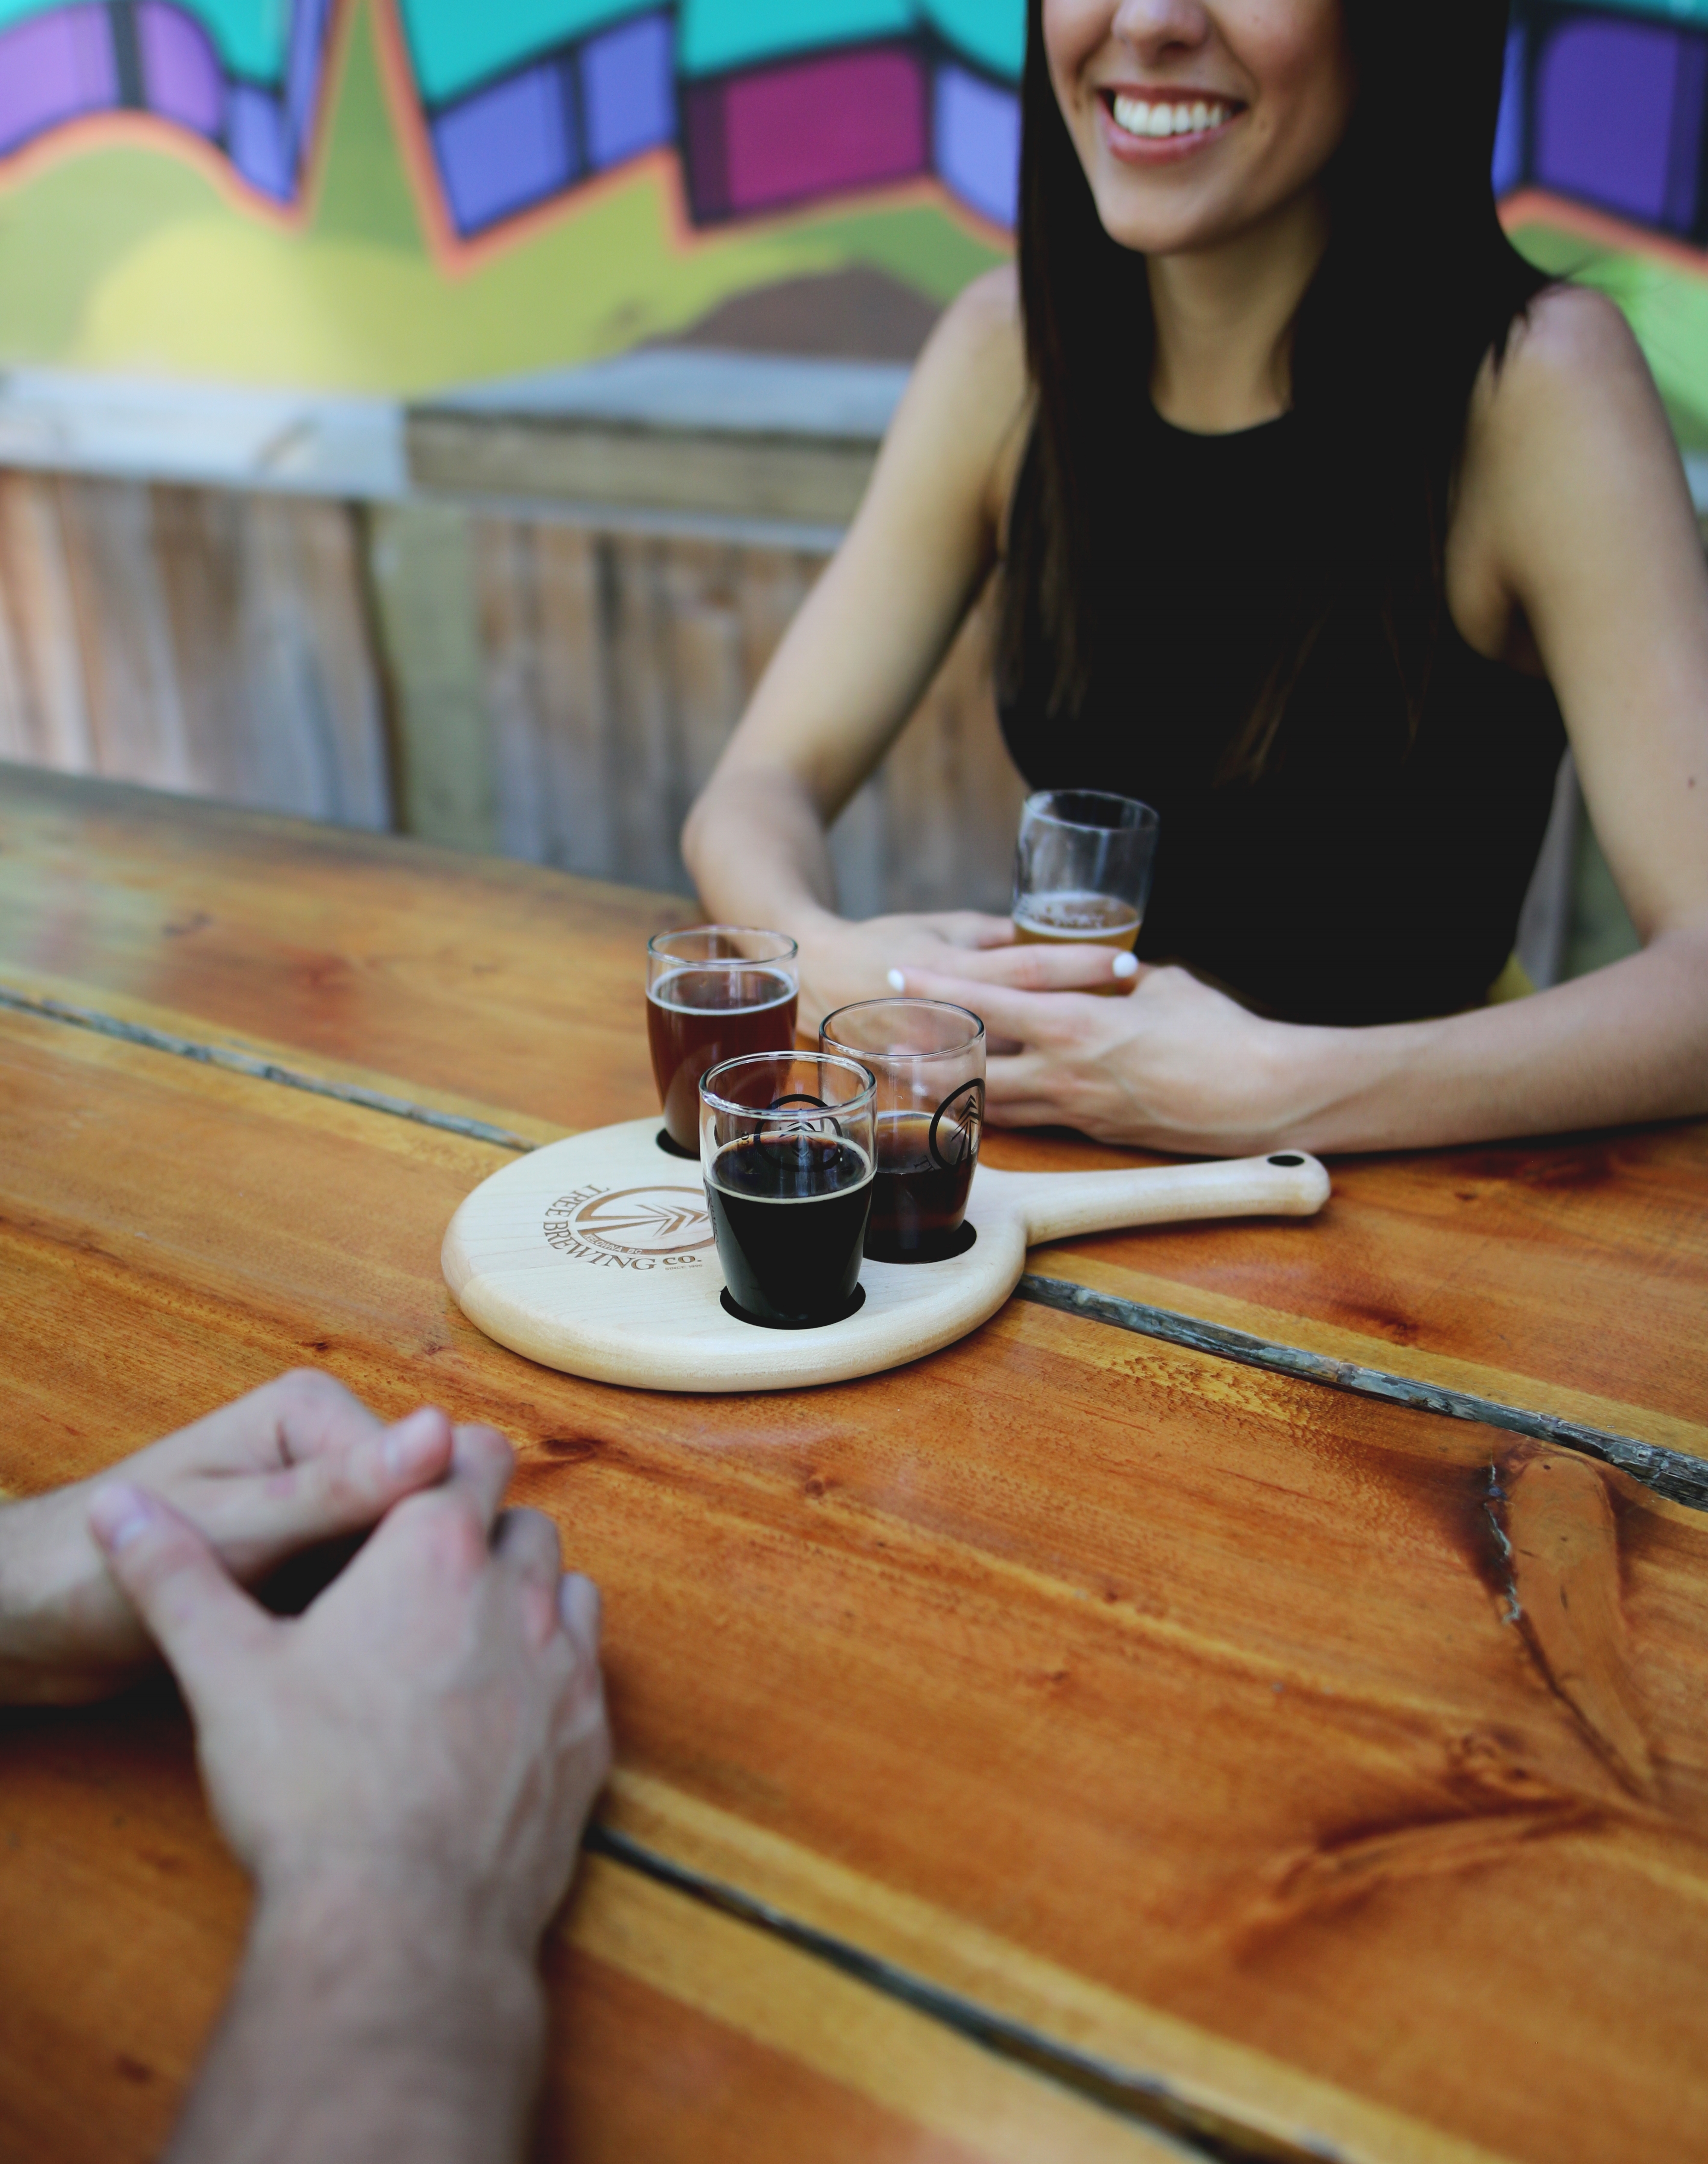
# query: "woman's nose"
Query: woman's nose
{"points": [[1155, 27]]}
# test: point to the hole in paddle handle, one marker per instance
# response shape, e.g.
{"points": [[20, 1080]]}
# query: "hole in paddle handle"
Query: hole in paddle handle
{"points": [[1287, 1158]]}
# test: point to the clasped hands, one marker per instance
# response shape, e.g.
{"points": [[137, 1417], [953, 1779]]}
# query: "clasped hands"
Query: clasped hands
{"points": [[439, 1704], [1169, 1064]]}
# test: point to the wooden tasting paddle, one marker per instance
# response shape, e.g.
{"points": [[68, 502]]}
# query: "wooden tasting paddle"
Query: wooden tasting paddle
{"points": [[596, 1255]]}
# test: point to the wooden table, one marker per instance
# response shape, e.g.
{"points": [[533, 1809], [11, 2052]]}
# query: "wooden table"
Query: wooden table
{"points": [[1098, 1735]]}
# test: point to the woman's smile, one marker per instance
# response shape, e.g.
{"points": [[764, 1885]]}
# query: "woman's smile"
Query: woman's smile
{"points": [[1149, 125]]}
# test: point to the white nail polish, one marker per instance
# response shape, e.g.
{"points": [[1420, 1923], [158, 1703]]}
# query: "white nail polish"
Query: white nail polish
{"points": [[1126, 965], [896, 981]]}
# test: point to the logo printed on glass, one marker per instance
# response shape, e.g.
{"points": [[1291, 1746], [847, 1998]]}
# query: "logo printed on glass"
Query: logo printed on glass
{"points": [[634, 1228]]}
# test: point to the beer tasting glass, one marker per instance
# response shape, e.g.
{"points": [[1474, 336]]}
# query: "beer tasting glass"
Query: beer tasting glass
{"points": [[713, 993], [928, 1058], [786, 1148], [1082, 870]]}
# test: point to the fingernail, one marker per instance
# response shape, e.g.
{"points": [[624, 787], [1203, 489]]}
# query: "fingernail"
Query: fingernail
{"points": [[414, 1443], [1126, 965], [896, 981], [117, 1512], [579, 1604]]}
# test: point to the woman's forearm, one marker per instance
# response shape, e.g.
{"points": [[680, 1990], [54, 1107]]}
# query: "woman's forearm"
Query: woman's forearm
{"points": [[1626, 1043], [757, 852]]}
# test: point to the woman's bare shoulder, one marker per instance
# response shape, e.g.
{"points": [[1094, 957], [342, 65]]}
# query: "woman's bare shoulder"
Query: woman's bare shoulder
{"points": [[969, 389], [1570, 357]]}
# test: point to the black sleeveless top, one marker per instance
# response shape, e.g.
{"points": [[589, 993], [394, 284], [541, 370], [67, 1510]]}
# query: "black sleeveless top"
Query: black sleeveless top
{"points": [[1367, 875]]}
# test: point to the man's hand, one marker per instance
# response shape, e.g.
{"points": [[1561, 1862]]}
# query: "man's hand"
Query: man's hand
{"points": [[296, 1462], [432, 1724], [406, 1770]]}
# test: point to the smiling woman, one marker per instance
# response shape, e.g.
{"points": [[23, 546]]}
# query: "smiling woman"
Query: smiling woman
{"points": [[1322, 522]]}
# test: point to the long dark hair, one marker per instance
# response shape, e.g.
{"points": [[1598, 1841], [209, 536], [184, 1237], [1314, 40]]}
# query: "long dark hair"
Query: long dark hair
{"points": [[1417, 286]]}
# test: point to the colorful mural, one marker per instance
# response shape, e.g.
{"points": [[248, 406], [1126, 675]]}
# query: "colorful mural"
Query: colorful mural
{"points": [[352, 175]]}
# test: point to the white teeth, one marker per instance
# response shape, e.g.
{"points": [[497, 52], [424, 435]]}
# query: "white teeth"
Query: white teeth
{"points": [[1137, 116]]}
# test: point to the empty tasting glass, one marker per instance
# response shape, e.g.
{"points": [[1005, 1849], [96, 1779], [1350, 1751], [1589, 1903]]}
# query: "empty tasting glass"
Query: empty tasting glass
{"points": [[929, 1060], [713, 993], [1082, 870], [786, 1148]]}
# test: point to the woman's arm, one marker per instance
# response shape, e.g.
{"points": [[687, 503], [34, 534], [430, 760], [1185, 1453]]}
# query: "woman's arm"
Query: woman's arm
{"points": [[859, 656], [1573, 543]]}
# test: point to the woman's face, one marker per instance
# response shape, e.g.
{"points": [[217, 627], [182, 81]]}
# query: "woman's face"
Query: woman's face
{"points": [[1195, 119]]}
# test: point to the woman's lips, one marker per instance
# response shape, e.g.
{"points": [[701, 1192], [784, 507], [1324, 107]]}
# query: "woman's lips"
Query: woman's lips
{"points": [[1160, 128]]}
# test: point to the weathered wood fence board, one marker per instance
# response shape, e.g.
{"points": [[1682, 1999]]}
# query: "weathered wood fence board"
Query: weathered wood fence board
{"points": [[528, 684], [194, 639]]}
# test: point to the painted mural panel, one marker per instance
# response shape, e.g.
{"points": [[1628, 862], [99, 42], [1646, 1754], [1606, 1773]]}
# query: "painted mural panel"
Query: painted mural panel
{"points": [[392, 193]]}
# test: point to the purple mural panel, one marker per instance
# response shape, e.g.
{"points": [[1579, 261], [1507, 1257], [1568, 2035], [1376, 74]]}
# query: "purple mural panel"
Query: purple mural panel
{"points": [[821, 126], [1509, 128], [505, 147], [308, 47], [705, 150], [255, 137], [628, 97], [53, 68], [1619, 119], [181, 75], [977, 136]]}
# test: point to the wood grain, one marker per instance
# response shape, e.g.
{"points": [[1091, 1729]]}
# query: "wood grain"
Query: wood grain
{"points": [[1139, 1669], [677, 2033], [1571, 1275]]}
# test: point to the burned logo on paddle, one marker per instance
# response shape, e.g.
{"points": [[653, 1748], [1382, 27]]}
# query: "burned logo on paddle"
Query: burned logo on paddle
{"points": [[634, 1228]]}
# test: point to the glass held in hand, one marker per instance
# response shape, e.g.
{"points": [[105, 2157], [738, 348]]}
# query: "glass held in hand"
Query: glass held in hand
{"points": [[787, 1149], [1082, 870], [713, 993], [928, 1058]]}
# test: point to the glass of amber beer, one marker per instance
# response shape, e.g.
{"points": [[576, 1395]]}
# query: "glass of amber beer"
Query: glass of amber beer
{"points": [[1082, 870], [713, 993]]}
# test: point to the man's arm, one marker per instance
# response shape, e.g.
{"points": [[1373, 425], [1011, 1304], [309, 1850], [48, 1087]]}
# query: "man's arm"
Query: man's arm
{"points": [[405, 1770]]}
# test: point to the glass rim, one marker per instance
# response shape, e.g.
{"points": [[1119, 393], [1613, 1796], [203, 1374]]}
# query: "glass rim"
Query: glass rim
{"points": [[655, 945], [710, 1101], [1033, 808], [860, 1053]]}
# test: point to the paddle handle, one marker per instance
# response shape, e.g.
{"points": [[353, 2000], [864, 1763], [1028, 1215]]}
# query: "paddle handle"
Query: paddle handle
{"points": [[1060, 1205]]}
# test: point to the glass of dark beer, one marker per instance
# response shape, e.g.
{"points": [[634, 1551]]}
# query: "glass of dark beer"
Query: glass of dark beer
{"points": [[712, 994], [786, 1148], [1082, 870], [929, 1060]]}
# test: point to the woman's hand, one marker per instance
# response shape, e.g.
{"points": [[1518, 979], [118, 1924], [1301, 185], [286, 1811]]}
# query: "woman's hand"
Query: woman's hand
{"points": [[296, 1462], [1172, 1066], [841, 961]]}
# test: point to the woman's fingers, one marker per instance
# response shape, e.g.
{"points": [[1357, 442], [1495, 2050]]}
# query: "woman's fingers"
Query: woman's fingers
{"points": [[1028, 1017], [972, 929], [1035, 969]]}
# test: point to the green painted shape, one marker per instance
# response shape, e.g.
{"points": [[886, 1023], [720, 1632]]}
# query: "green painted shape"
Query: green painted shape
{"points": [[457, 44], [365, 192], [713, 36], [991, 32], [1666, 307], [250, 34]]}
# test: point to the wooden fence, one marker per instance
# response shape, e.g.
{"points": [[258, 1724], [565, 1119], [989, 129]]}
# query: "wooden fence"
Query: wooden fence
{"points": [[522, 682]]}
